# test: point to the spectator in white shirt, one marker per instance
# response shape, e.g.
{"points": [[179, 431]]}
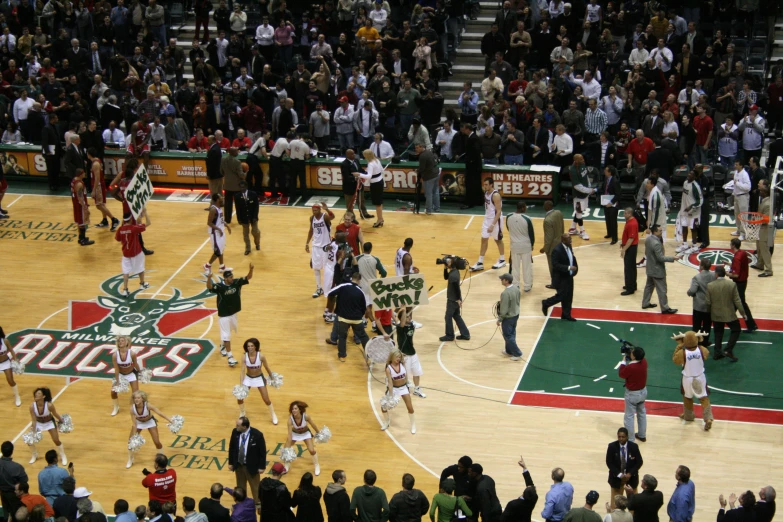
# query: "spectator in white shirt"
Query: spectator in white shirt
{"points": [[113, 134], [12, 136], [222, 49], [382, 149], [687, 97], [741, 195], [612, 105], [8, 39], [590, 86], [158, 135], [639, 55], [265, 33], [321, 48], [562, 51], [492, 86], [378, 17], [243, 77], [238, 20], [669, 125], [444, 139], [662, 57], [21, 107], [562, 147]]}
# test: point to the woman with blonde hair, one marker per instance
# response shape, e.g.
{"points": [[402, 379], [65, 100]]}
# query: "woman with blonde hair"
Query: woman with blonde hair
{"points": [[252, 376], [125, 365], [374, 173], [43, 413], [141, 419], [397, 386], [299, 432]]}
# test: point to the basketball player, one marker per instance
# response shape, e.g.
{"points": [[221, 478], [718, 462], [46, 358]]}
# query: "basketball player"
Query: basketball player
{"points": [[6, 356], [251, 375], [118, 186], [320, 226], [125, 364], [338, 255], [99, 190], [691, 356], [139, 146], [690, 212], [229, 304], [216, 228], [132, 256], [492, 225], [403, 265], [81, 208], [581, 192]]}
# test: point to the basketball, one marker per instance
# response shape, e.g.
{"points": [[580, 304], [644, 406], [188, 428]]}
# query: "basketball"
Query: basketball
{"points": [[245, 167]]}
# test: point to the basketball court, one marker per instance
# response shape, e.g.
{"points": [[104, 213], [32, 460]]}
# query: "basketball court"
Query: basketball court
{"points": [[62, 308]]}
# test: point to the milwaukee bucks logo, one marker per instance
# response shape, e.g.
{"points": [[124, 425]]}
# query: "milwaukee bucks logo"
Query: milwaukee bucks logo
{"points": [[716, 256]]}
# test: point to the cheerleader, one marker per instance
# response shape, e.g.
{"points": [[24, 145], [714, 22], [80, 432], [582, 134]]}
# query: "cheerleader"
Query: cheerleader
{"points": [[43, 413], [397, 385], [299, 432], [125, 364], [252, 377], [6, 356], [141, 419]]}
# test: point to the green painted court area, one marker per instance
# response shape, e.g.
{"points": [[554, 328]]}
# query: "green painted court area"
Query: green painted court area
{"points": [[573, 366]]}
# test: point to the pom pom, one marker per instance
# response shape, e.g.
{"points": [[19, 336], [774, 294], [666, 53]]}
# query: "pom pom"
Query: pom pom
{"points": [[275, 380], [17, 367], [66, 424], [32, 437], [176, 423], [136, 442], [288, 455], [388, 402], [324, 435], [145, 376], [122, 387], [378, 349], [241, 392]]}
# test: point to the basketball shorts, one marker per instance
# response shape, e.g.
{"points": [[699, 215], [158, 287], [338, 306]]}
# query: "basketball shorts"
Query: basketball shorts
{"points": [[228, 324], [133, 265], [218, 242], [317, 257], [497, 232]]}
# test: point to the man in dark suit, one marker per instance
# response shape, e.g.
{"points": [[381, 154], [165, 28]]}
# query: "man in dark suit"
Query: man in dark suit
{"points": [[214, 157], [644, 505], [653, 125], [624, 461], [564, 269], [662, 160], [506, 20], [611, 189], [211, 506], [746, 512], [670, 143], [601, 153], [522, 508], [78, 57], [537, 139], [247, 215], [474, 195], [247, 453], [217, 119], [765, 507], [73, 157], [52, 151], [35, 124]]}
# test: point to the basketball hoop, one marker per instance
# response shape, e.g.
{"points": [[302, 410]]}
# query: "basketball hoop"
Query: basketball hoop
{"points": [[753, 222]]}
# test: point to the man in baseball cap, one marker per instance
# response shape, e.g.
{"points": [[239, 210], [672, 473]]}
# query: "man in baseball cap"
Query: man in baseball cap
{"points": [[585, 513], [275, 497]]}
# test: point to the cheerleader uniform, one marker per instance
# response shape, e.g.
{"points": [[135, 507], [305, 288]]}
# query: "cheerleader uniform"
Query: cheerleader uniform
{"points": [[253, 382], [126, 365], [43, 419], [144, 420], [401, 390], [5, 357], [300, 432]]}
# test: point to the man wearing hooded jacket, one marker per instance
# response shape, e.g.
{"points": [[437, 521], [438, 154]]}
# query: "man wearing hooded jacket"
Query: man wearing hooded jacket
{"points": [[409, 504]]}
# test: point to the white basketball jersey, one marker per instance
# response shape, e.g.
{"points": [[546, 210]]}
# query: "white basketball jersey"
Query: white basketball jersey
{"points": [[218, 221], [331, 255], [694, 363], [398, 267], [489, 206], [320, 232]]}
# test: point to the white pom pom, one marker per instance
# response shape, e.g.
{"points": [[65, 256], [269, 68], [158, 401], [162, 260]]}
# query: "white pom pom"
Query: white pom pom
{"points": [[32, 437], [145, 376], [122, 387], [378, 349], [241, 392], [136, 442], [388, 402], [66, 424], [17, 367], [288, 455], [275, 380], [176, 423], [324, 435]]}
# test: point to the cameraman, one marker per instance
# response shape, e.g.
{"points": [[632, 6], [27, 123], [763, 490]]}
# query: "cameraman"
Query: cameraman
{"points": [[634, 370], [453, 303]]}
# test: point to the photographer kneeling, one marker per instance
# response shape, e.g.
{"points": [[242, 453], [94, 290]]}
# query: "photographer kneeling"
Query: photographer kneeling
{"points": [[634, 370], [454, 298]]}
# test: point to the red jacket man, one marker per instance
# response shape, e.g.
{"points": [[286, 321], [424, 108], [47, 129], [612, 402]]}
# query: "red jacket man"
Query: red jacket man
{"points": [[162, 482]]}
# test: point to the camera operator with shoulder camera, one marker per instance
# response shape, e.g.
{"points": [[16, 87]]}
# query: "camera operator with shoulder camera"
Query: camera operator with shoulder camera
{"points": [[454, 298], [634, 370]]}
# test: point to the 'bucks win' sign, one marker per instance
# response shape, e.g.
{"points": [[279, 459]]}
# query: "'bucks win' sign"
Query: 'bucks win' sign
{"points": [[139, 191], [394, 292]]}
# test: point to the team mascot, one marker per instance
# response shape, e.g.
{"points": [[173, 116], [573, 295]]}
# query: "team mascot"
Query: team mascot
{"points": [[691, 356]]}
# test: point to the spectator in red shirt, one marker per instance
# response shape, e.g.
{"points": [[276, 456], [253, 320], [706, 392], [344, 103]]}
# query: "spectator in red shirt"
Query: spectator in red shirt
{"points": [[221, 140], [628, 248], [133, 257], [30, 501], [703, 125], [242, 142], [638, 149], [634, 370], [353, 232], [198, 143], [253, 117], [162, 483], [775, 107], [739, 274]]}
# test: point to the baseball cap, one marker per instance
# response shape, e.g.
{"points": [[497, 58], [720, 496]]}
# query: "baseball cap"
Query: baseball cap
{"points": [[228, 273], [592, 497], [81, 493], [506, 277], [278, 468], [417, 120], [343, 99], [754, 107]]}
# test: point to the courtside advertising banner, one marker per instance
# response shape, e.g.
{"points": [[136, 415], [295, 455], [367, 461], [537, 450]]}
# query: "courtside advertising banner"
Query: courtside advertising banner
{"points": [[139, 191], [395, 292]]}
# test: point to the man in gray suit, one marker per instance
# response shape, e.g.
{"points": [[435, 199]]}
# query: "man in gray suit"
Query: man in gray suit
{"points": [[723, 302], [553, 230], [656, 270], [698, 290], [177, 133]]}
